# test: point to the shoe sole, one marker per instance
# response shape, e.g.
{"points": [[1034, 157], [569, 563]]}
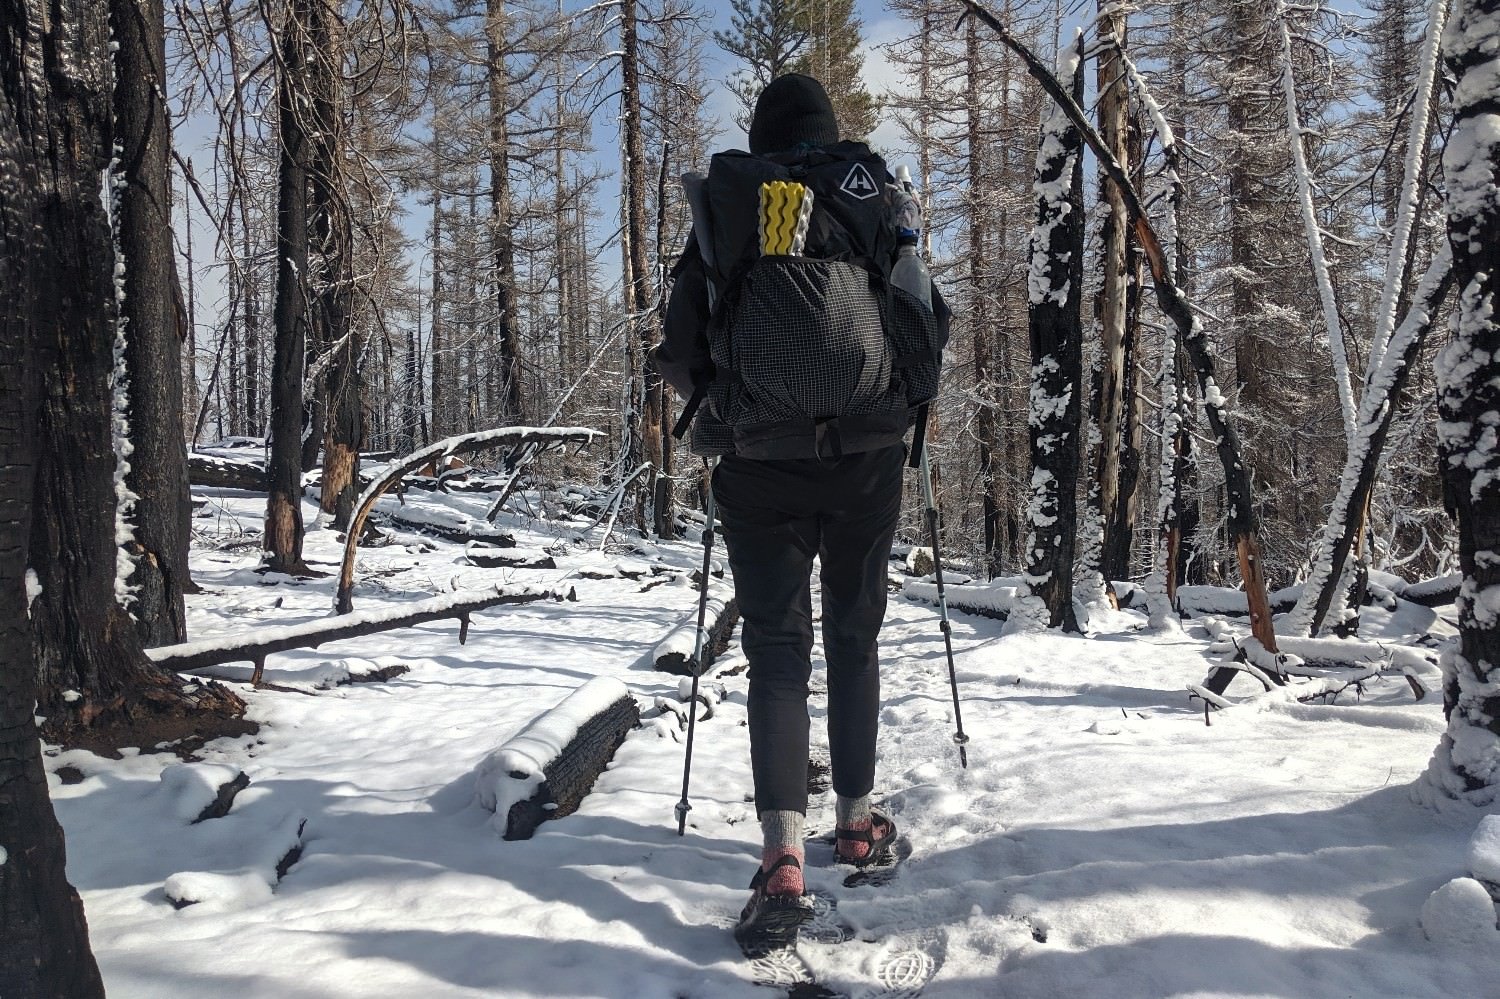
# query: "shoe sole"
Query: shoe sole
{"points": [[774, 927]]}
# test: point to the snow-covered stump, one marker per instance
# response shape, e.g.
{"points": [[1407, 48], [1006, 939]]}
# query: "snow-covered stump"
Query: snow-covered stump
{"points": [[545, 770], [675, 652]]}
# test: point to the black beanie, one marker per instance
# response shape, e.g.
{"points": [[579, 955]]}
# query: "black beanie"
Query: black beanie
{"points": [[792, 109]]}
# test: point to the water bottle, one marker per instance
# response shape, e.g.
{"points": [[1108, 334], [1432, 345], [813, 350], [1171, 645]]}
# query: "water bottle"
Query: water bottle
{"points": [[909, 272]]}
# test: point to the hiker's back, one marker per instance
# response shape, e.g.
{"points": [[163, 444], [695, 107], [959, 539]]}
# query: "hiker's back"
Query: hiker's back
{"points": [[815, 354]]}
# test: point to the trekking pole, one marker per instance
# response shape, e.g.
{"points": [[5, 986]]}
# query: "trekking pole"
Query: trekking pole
{"points": [[937, 564], [683, 807]]}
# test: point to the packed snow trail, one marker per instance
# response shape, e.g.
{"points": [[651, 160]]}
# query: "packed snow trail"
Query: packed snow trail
{"points": [[1102, 833]]}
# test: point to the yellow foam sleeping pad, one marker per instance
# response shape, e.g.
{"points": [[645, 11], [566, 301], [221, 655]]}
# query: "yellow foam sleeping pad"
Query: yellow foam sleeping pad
{"points": [[785, 210]]}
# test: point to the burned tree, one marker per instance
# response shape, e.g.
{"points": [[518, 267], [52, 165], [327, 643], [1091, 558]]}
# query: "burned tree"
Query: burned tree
{"points": [[1466, 764], [1054, 288], [155, 323]]}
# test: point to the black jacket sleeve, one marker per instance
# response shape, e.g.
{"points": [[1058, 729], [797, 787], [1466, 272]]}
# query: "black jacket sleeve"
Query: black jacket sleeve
{"points": [[682, 356]]}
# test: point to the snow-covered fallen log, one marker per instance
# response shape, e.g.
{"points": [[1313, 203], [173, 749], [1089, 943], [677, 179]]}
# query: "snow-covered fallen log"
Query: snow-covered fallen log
{"points": [[449, 525], [219, 472], [544, 771], [189, 656], [269, 854], [1309, 669], [1437, 592], [992, 600], [674, 654], [488, 556], [1221, 601]]}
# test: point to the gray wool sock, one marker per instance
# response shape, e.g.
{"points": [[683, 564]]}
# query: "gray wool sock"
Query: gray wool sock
{"points": [[852, 813], [781, 831]]}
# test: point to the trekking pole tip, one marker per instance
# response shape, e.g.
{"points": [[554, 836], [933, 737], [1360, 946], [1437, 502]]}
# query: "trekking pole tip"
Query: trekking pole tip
{"points": [[682, 809]]}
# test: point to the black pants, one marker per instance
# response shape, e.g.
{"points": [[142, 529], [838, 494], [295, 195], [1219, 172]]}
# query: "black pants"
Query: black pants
{"points": [[777, 516]]}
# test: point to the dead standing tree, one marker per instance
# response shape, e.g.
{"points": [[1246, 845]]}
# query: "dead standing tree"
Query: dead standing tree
{"points": [[1242, 525], [1055, 294], [154, 324], [283, 532], [1466, 764]]}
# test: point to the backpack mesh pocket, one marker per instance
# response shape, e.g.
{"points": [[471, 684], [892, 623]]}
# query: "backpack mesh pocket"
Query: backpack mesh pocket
{"points": [[805, 340], [917, 346]]}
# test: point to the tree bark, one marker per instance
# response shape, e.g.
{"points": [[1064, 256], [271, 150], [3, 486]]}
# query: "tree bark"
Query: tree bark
{"points": [[334, 290], [1467, 762], [1117, 460], [504, 247], [154, 325], [283, 532], [46, 951], [985, 428], [651, 401]]}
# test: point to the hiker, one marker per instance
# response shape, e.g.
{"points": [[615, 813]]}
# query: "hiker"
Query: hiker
{"points": [[781, 321]]}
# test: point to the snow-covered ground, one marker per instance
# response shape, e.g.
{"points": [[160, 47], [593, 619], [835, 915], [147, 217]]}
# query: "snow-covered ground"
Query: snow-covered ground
{"points": [[1103, 842]]}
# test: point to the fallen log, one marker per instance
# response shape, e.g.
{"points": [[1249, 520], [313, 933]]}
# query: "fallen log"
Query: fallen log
{"points": [[1437, 592], [456, 528], [674, 654], [439, 453], [545, 770], [190, 656], [987, 600], [489, 556], [226, 473]]}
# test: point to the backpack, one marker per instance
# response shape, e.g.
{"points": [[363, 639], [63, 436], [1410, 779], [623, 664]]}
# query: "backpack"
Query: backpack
{"points": [[816, 354]]}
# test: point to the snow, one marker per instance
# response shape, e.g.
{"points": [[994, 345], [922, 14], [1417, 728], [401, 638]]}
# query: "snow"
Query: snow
{"points": [[1484, 851], [1276, 852], [33, 588], [192, 787], [114, 182], [1460, 914]]}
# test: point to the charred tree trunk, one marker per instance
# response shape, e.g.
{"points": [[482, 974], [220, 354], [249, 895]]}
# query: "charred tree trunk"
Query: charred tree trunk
{"points": [[663, 503], [1117, 462], [154, 324], [985, 427], [283, 534], [1468, 375], [1056, 336], [52, 206], [334, 302], [650, 427], [503, 245]]}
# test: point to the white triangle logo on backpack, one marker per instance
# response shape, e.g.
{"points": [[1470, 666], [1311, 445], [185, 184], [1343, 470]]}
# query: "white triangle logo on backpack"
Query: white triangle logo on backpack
{"points": [[859, 184]]}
